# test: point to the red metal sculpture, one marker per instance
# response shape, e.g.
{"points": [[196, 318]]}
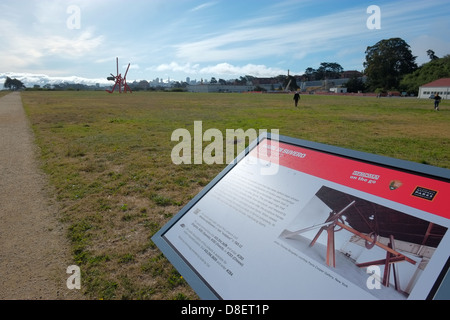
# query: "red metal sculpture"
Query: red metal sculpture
{"points": [[120, 82]]}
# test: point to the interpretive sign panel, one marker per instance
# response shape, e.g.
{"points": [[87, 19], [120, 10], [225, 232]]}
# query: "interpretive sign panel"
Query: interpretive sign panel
{"points": [[292, 219]]}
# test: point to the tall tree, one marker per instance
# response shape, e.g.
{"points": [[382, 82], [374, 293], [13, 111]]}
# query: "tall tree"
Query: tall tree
{"points": [[329, 70], [387, 62], [310, 74], [355, 84], [432, 55], [13, 84]]}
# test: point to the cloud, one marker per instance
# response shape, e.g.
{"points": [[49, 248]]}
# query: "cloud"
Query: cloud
{"points": [[307, 37], [29, 51], [175, 67], [203, 6], [311, 35], [76, 46], [249, 69], [220, 69], [23, 48], [132, 66], [36, 35], [208, 37], [30, 79]]}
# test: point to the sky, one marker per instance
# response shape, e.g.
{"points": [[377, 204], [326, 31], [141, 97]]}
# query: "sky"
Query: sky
{"points": [[78, 40]]}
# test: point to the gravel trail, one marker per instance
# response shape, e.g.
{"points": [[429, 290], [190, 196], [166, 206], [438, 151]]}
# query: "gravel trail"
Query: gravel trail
{"points": [[34, 251]]}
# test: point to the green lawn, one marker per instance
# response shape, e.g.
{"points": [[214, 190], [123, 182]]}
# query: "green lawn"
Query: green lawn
{"points": [[108, 157]]}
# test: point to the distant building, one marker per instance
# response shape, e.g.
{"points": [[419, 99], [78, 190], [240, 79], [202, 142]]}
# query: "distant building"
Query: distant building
{"points": [[209, 88], [338, 90], [441, 86]]}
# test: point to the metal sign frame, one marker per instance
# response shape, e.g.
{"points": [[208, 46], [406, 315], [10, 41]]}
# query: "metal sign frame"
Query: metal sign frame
{"points": [[441, 287]]}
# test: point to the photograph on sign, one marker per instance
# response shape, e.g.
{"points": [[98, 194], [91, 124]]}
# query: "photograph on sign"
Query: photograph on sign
{"points": [[291, 219], [364, 231]]}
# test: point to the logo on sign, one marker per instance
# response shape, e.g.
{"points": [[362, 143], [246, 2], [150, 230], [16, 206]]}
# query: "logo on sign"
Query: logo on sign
{"points": [[395, 184], [424, 193]]}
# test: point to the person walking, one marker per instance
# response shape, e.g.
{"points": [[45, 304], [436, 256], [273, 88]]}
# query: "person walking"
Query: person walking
{"points": [[296, 98], [437, 100]]}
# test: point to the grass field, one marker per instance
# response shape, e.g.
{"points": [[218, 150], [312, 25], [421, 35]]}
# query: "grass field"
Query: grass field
{"points": [[3, 93], [108, 158]]}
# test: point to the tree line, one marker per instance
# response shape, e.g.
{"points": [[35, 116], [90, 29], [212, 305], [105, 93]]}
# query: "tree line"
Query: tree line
{"points": [[389, 66]]}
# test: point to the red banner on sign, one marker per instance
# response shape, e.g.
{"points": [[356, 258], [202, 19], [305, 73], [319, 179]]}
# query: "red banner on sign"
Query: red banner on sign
{"points": [[417, 191]]}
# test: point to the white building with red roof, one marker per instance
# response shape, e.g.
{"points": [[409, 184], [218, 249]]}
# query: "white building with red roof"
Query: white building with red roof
{"points": [[441, 86]]}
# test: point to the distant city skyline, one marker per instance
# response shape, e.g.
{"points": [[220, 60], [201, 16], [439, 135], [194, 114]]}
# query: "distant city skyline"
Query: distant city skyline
{"points": [[54, 40]]}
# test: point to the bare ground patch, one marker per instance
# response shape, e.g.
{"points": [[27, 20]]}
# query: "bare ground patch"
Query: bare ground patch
{"points": [[34, 252]]}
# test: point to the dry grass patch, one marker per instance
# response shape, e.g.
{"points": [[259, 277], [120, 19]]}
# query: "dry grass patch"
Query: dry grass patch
{"points": [[108, 157]]}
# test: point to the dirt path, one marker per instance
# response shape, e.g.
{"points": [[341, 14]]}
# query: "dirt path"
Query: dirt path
{"points": [[34, 252]]}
